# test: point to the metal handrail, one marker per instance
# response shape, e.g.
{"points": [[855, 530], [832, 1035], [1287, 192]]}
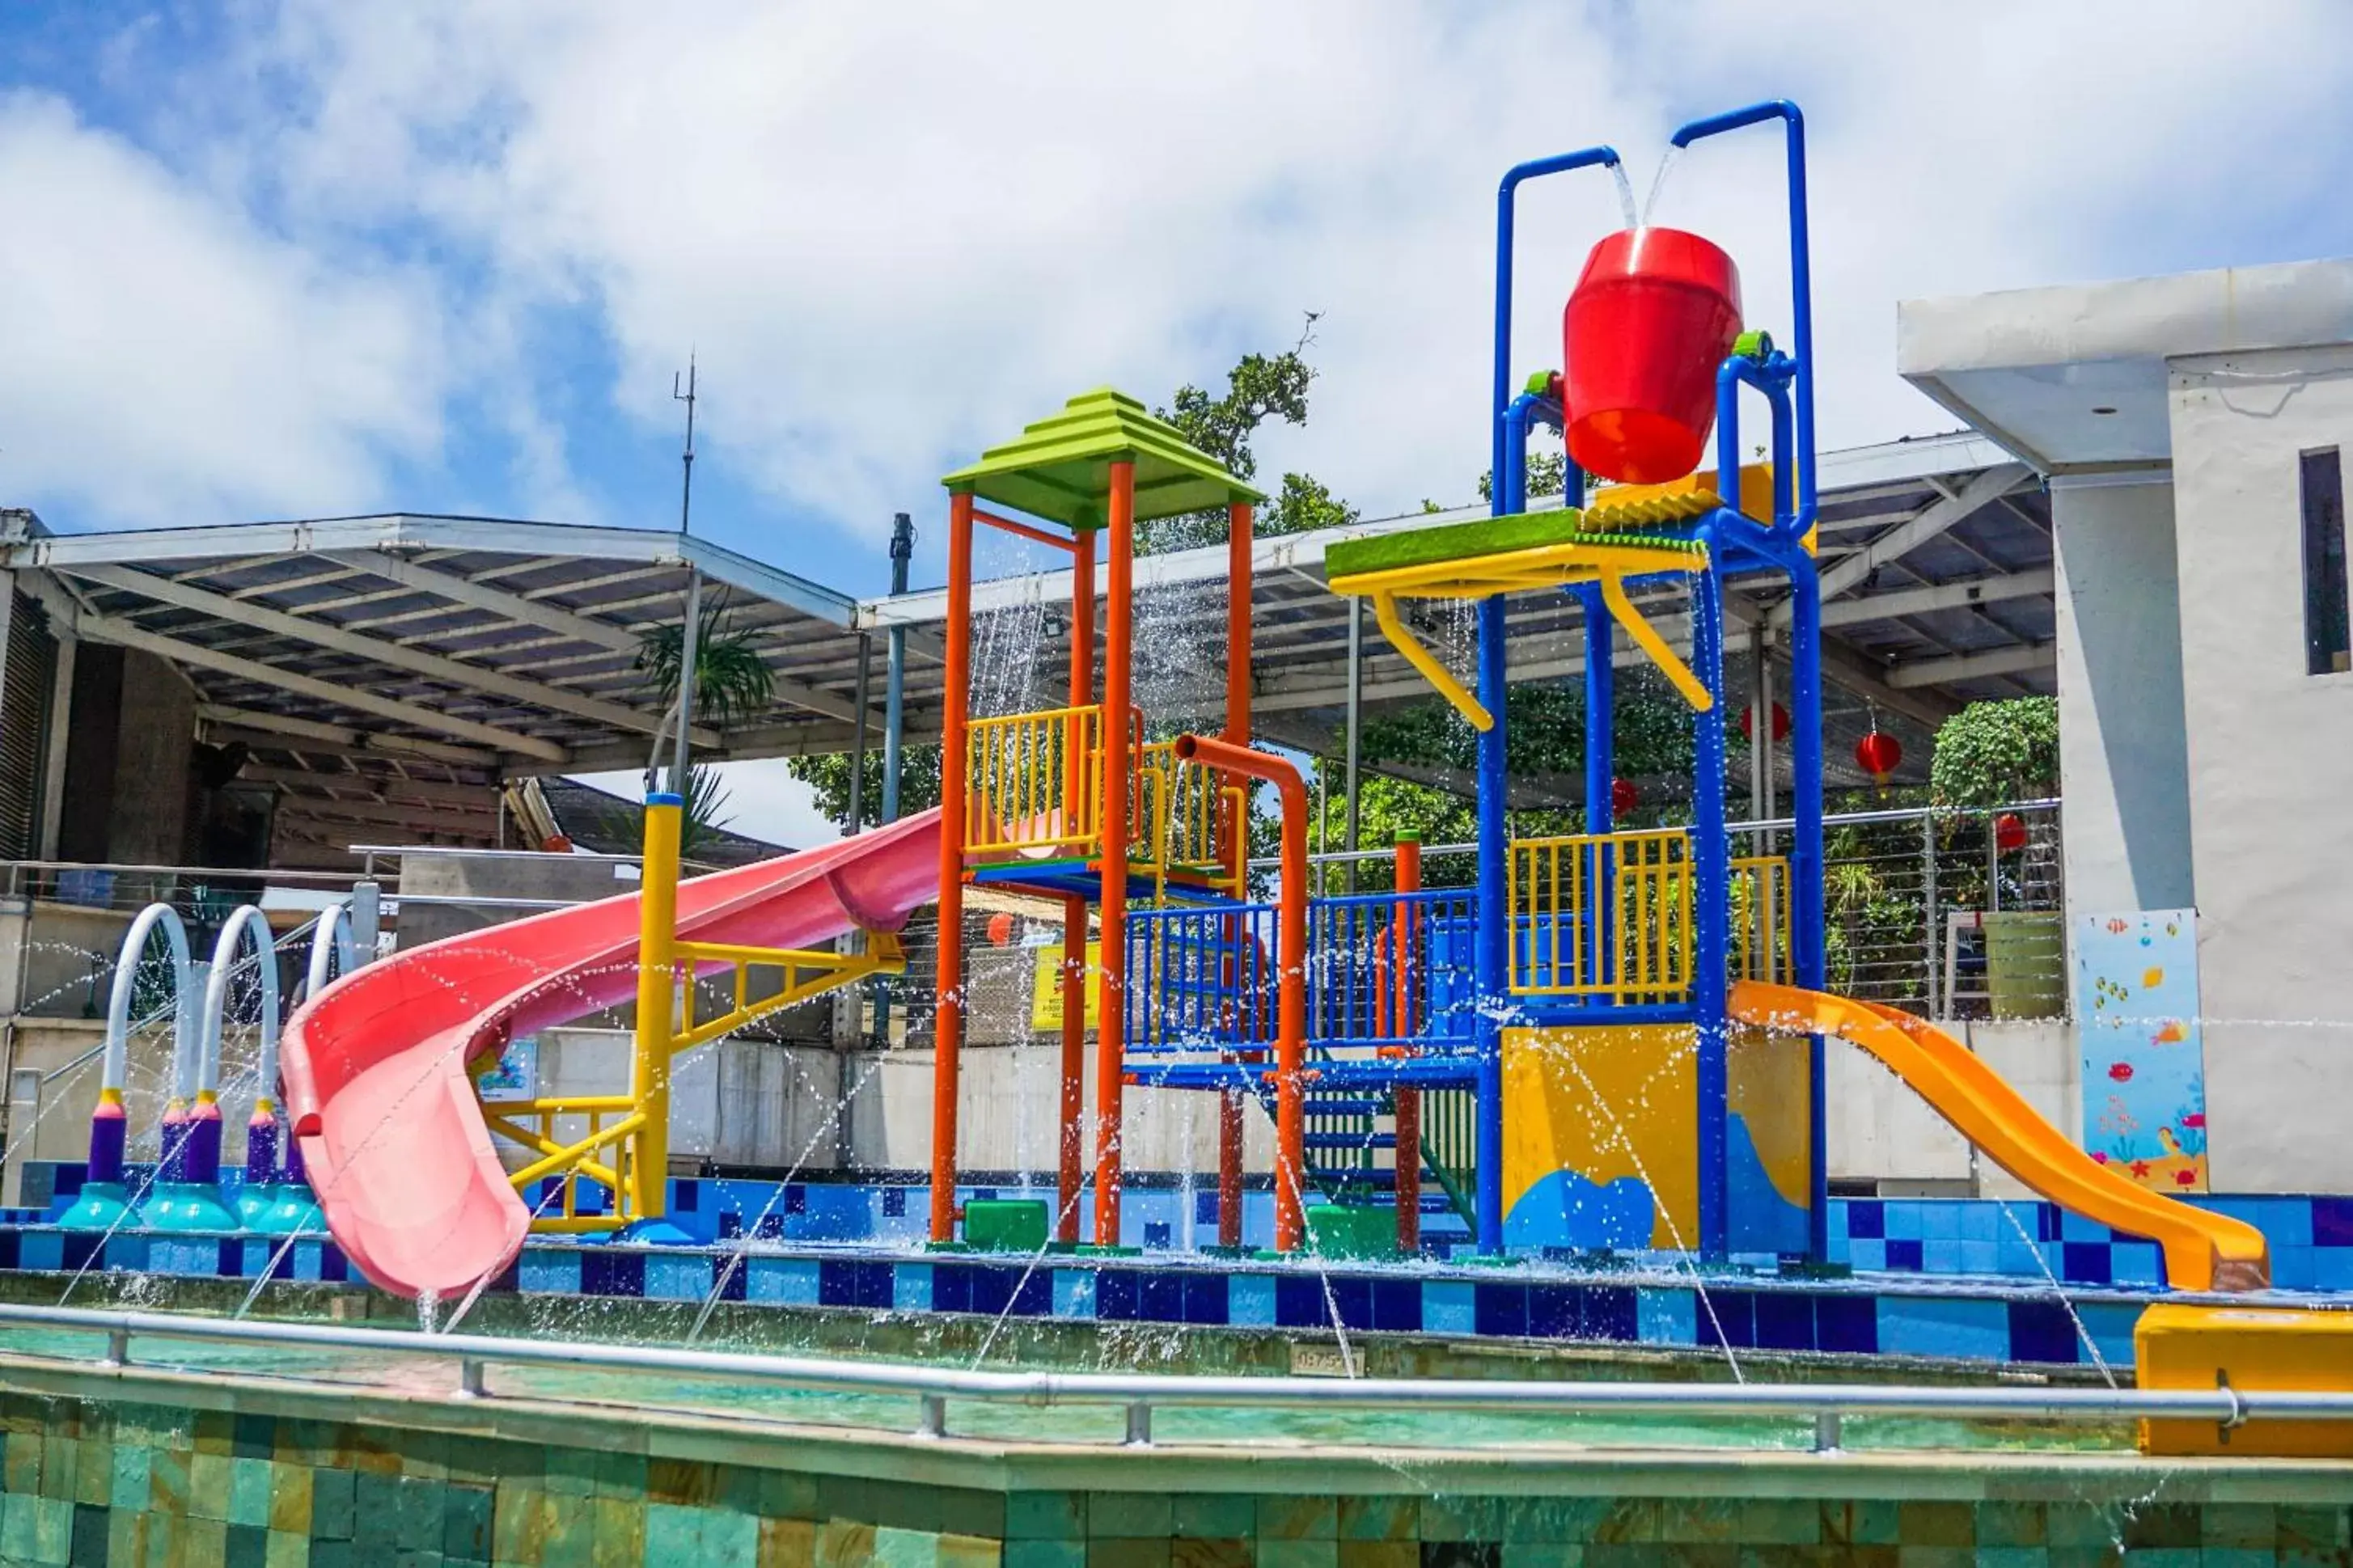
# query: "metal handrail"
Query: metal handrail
{"points": [[1139, 1392]]}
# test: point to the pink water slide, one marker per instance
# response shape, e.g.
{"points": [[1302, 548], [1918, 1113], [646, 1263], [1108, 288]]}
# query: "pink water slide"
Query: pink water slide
{"points": [[375, 1066]]}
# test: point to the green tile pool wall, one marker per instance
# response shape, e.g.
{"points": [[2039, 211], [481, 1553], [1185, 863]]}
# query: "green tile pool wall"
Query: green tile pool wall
{"points": [[91, 1482]]}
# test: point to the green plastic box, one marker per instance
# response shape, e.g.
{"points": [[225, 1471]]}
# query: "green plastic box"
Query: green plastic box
{"points": [[1336, 1230], [1005, 1225]]}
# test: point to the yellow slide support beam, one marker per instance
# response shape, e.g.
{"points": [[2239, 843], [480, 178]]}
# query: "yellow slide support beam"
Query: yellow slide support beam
{"points": [[1646, 638], [1385, 615]]}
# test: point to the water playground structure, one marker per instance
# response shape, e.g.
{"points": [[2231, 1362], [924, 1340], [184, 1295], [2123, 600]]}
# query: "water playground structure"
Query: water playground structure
{"points": [[1600, 1063]]}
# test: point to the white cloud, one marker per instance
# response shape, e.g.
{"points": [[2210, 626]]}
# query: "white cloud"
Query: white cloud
{"points": [[763, 802], [896, 233], [170, 362]]}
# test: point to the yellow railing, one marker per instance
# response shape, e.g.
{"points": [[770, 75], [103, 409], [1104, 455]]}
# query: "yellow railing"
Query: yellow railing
{"points": [[1177, 817], [1036, 782], [1760, 920], [1644, 950]]}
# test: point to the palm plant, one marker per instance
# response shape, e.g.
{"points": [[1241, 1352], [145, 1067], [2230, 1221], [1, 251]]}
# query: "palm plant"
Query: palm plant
{"points": [[732, 681], [705, 812]]}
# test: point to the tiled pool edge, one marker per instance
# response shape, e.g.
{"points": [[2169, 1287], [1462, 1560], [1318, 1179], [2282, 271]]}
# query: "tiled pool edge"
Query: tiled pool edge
{"points": [[158, 1462]]}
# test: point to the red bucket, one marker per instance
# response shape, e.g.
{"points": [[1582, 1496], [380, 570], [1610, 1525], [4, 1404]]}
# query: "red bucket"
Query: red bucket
{"points": [[1654, 313]]}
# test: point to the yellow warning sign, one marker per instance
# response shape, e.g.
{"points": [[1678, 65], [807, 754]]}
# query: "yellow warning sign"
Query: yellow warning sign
{"points": [[1046, 989]]}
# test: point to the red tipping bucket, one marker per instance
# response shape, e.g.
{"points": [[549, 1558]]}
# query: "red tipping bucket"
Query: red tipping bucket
{"points": [[1654, 313]]}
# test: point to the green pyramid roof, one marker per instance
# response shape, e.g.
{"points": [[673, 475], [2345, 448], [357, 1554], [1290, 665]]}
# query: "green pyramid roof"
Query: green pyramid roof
{"points": [[1060, 468]]}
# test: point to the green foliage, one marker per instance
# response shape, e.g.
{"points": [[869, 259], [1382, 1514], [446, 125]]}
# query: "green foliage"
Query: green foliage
{"points": [[1548, 473], [732, 681], [705, 813], [1543, 733], [1994, 753], [828, 779], [1260, 388]]}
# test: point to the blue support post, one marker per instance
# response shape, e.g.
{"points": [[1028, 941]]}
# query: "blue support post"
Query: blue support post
{"points": [[1604, 157], [1494, 926], [1711, 898], [1600, 773], [1809, 945], [894, 689]]}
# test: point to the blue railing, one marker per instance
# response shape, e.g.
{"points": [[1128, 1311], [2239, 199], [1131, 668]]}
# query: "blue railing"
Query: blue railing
{"points": [[1204, 978]]}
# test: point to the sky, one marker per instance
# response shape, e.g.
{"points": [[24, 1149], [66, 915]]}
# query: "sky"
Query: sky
{"points": [[292, 259]]}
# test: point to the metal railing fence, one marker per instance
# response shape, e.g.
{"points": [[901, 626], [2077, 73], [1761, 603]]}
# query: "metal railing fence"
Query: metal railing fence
{"points": [[119, 1338]]}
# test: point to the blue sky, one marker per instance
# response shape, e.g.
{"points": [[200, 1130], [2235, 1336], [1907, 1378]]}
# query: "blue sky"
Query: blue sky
{"points": [[304, 257]]}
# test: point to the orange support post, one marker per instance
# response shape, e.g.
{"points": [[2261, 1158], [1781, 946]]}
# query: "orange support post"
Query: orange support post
{"points": [[1290, 986], [947, 1029], [1408, 1117], [1074, 909], [1110, 1030], [1237, 835]]}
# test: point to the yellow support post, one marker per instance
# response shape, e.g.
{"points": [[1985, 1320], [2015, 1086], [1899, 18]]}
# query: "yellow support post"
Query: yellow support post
{"points": [[649, 1160]]}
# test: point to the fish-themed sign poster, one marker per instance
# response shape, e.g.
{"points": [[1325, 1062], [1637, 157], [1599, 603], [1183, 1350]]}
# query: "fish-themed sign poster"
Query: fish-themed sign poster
{"points": [[2144, 1062]]}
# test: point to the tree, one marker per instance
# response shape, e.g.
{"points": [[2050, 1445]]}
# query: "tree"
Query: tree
{"points": [[829, 778], [705, 812], [1259, 388], [1993, 754]]}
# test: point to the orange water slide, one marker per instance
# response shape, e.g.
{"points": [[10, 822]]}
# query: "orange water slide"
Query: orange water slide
{"points": [[2203, 1250], [376, 1065]]}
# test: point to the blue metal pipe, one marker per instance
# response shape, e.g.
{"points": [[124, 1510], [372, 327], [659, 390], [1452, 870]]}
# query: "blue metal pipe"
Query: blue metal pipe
{"points": [[1513, 177], [1771, 378], [1494, 924], [1802, 282], [1711, 895], [894, 692]]}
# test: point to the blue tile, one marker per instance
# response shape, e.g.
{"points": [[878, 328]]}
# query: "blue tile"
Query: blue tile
{"points": [[911, 1288], [2042, 1330], [1074, 1293], [1904, 1221], [951, 1288], [1866, 1219], [894, 1202], [2085, 1263], [1941, 1254], [2294, 1267], [551, 1269], [2014, 1255], [127, 1252], [848, 1283], [2074, 1226], [42, 1249], [1868, 1253], [1502, 1308], [1204, 1207], [1160, 1297], [1249, 1301], [678, 1277], [2136, 1263], [1838, 1247], [1667, 1317], [1848, 1322], [1944, 1326], [1397, 1305], [1727, 1318], [1842, 1216], [2287, 1221], [1299, 1302], [2332, 1267], [2110, 1324], [1940, 1220], [1905, 1256], [1611, 1312], [1158, 1234], [784, 1281], [1207, 1298], [307, 1255], [1552, 1311], [2332, 1222], [1982, 1257], [1117, 1294], [609, 1271], [1785, 1321], [1449, 1306]]}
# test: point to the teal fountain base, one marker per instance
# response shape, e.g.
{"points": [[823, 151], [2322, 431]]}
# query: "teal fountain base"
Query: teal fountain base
{"points": [[99, 1206], [187, 1205], [282, 1208]]}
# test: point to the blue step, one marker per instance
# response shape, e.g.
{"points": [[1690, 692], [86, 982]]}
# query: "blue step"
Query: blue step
{"points": [[1321, 1107], [1352, 1141]]}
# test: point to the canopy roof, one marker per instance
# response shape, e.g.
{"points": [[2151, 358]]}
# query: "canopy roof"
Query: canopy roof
{"points": [[1059, 468]]}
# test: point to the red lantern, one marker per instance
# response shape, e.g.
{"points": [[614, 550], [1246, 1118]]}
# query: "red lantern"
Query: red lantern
{"points": [[1878, 755], [1623, 797], [2009, 832], [1000, 927], [1780, 722]]}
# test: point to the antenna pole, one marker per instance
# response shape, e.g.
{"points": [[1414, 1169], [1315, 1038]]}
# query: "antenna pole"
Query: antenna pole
{"points": [[690, 631]]}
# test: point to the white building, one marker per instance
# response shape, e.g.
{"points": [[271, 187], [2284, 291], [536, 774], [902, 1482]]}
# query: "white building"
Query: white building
{"points": [[2190, 429]]}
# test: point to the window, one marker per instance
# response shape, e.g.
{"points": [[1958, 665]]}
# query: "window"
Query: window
{"points": [[2328, 639]]}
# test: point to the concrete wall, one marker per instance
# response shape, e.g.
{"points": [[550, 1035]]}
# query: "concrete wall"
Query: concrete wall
{"points": [[149, 823], [2270, 757], [2124, 759], [1881, 1130], [737, 1103]]}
